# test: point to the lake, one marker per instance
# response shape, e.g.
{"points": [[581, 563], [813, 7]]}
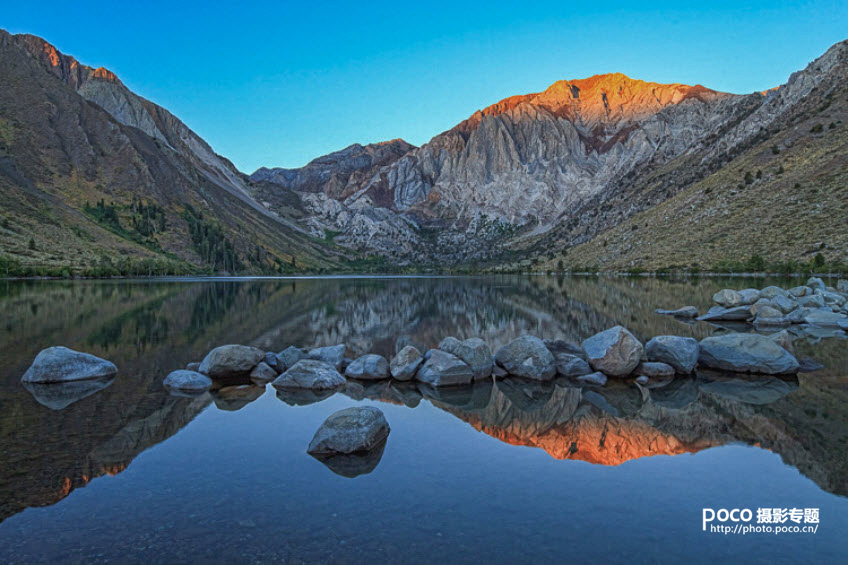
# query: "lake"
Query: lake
{"points": [[501, 472]]}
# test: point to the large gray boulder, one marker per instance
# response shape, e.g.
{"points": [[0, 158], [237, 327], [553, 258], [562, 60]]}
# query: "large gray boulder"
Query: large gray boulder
{"points": [[527, 357], [369, 367], [331, 354], [784, 303], [406, 363], [473, 351], [569, 365], [289, 356], [679, 352], [717, 314], [615, 352], [229, 361], [60, 364], [727, 298], [309, 373], [352, 430], [772, 291], [187, 381], [746, 353], [749, 296], [684, 312], [444, 369]]}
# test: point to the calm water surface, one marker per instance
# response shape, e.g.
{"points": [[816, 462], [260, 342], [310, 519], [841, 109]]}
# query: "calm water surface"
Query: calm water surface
{"points": [[502, 472]]}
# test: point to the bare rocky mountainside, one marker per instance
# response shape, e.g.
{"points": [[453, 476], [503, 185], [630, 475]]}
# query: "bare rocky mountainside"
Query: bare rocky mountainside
{"points": [[96, 179], [559, 178], [604, 173]]}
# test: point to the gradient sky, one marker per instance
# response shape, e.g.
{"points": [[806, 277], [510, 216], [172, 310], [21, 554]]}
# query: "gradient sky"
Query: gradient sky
{"points": [[277, 84]]}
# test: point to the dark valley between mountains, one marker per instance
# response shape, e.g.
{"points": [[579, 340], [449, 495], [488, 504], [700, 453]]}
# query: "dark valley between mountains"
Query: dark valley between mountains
{"points": [[606, 173]]}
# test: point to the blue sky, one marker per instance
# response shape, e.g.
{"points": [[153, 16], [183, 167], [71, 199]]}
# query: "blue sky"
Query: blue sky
{"points": [[277, 83]]}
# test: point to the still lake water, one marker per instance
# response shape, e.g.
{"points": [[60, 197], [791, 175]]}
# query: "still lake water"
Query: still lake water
{"points": [[506, 472]]}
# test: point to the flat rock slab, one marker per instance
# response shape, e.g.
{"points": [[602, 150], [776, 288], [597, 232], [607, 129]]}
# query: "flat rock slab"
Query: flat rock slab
{"points": [[746, 353], [60, 364], [736, 314], [351, 430]]}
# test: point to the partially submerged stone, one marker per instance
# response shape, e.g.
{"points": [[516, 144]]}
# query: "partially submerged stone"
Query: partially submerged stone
{"points": [[444, 369], [351, 430], [187, 381], [736, 314], [60, 364], [368, 367], [527, 357], [309, 373], [681, 353], [615, 352], [405, 364], [229, 361]]}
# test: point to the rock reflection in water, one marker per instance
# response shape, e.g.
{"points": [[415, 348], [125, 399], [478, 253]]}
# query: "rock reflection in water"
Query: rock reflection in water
{"points": [[352, 465], [58, 396]]}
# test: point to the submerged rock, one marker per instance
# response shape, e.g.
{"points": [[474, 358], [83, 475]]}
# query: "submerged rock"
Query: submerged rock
{"points": [[309, 373], [406, 363], [228, 361], [187, 381], [684, 312], [368, 367], [746, 353], [568, 365], [60, 364], [351, 430], [444, 369], [527, 357], [473, 351], [679, 352], [615, 352], [331, 354]]}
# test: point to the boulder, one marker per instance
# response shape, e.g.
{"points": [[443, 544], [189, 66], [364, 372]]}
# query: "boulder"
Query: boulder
{"points": [[684, 312], [765, 309], [562, 346], [187, 381], [597, 378], [262, 374], [60, 364], [746, 353], [615, 352], [309, 373], [816, 283], [749, 296], [784, 303], [369, 367], [527, 357], [679, 352], [842, 286], [823, 318], [193, 367], [737, 314], [812, 301], [289, 356], [772, 291], [331, 354], [444, 369], [473, 351], [568, 365], [228, 361], [655, 369], [405, 364], [727, 298], [799, 291], [352, 430], [831, 297]]}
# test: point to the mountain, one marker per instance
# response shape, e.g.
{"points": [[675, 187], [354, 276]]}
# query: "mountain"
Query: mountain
{"points": [[528, 179], [95, 178]]}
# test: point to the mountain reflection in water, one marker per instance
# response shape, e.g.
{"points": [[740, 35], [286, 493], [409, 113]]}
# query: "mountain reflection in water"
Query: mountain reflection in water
{"points": [[54, 441]]}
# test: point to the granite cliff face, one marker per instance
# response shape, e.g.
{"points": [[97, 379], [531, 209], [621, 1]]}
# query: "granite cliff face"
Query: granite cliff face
{"points": [[550, 169]]}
